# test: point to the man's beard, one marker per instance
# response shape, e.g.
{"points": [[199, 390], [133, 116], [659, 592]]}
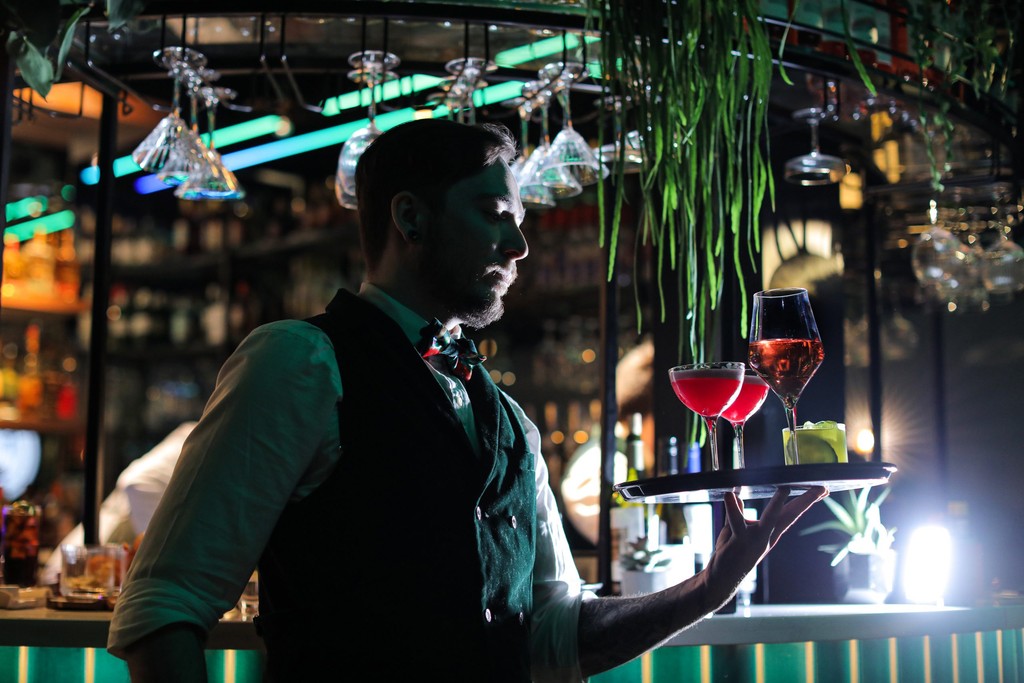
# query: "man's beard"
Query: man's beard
{"points": [[447, 283]]}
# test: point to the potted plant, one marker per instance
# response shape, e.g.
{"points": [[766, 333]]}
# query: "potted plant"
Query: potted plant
{"points": [[644, 569], [864, 565]]}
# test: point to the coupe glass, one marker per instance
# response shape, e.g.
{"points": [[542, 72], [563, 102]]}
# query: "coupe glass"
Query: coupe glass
{"points": [[708, 389], [752, 395], [785, 347]]}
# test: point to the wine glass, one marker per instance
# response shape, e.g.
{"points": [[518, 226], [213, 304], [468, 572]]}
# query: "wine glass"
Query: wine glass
{"points": [[752, 395], [373, 68], [163, 142], [708, 389], [785, 347]]}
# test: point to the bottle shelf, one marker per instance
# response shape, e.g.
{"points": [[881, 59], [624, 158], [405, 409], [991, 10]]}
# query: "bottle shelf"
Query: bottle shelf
{"points": [[44, 425], [47, 305]]}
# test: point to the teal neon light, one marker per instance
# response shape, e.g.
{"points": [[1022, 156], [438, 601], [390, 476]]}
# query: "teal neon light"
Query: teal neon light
{"points": [[52, 223], [542, 48], [223, 137], [23, 208], [406, 85]]}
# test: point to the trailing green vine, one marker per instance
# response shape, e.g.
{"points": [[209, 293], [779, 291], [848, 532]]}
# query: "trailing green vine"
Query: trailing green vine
{"points": [[698, 76]]}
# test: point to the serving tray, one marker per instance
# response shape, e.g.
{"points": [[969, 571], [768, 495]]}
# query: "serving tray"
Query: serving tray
{"points": [[755, 482]]}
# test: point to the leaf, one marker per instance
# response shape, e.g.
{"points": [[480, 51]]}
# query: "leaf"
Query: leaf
{"points": [[36, 69], [120, 12], [67, 38]]}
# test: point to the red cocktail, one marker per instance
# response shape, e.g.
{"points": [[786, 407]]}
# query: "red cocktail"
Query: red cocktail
{"points": [[708, 389], [751, 397]]}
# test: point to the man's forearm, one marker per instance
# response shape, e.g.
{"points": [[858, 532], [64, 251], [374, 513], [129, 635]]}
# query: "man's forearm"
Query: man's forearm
{"points": [[613, 631], [174, 654]]}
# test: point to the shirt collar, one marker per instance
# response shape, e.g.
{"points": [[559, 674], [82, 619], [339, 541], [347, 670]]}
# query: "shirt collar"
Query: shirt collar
{"points": [[408, 320]]}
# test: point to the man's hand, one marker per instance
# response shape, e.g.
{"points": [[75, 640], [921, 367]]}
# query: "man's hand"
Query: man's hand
{"points": [[743, 543]]}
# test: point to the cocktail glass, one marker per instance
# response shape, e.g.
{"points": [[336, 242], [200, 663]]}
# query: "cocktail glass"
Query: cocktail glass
{"points": [[785, 347], [708, 389], [752, 395]]}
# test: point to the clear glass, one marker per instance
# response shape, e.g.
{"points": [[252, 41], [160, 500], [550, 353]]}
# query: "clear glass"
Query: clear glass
{"points": [[751, 397], [165, 140], [348, 159], [785, 347], [708, 389]]}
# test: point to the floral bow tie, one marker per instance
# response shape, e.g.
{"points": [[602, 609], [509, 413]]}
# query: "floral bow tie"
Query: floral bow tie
{"points": [[460, 353]]}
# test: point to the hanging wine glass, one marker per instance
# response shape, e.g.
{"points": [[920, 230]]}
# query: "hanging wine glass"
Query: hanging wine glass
{"points": [[153, 153], [559, 181], [627, 148], [188, 153], [372, 68], [814, 168], [569, 149], [212, 180], [534, 195], [466, 79]]}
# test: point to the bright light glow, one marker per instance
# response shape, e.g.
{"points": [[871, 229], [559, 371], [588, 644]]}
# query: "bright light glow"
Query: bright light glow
{"points": [[927, 561], [864, 442], [23, 208], [222, 137], [52, 223]]}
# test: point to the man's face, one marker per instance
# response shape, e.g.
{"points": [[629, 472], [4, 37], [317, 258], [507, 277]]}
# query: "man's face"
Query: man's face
{"points": [[472, 246]]}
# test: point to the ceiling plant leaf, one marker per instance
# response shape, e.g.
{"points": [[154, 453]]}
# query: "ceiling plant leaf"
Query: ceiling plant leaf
{"points": [[120, 12], [39, 34]]}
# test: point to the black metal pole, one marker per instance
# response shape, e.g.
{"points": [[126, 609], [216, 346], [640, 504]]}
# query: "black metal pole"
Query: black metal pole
{"points": [[93, 492], [6, 121], [941, 434], [874, 270], [609, 320]]}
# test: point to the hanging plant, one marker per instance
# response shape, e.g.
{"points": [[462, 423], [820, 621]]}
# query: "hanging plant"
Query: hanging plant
{"points": [[960, 46], [697, 76], [38, 34]]}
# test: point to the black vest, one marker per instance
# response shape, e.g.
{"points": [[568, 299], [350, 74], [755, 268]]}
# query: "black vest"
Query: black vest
{"points": [[422, 550]]}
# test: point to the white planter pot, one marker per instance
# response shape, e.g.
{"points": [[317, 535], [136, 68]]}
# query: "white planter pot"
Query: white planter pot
{"points": [[641, 583]]}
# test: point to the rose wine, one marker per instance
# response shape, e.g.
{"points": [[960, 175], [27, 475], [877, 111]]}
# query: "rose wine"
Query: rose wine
{"points": [[752, 395], [707, 392], [786, 364]]}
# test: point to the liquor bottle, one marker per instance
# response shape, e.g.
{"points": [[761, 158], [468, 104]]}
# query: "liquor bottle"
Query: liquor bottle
{"points": [[67, 273], [14, 266], [9, 377], [30, 382], [40, 260]]}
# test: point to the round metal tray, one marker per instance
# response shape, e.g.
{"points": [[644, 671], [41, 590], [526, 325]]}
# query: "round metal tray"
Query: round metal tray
{"points": [[757, 482]]}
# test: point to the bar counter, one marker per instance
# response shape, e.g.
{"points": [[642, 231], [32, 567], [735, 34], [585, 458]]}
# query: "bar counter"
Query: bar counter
{"points": [[766, 644]]}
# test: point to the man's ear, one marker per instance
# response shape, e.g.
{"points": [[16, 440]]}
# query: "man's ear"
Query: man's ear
{"points": [[410, 216]]}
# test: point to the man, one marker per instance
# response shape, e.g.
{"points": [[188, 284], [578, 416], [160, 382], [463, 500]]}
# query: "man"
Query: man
{"points": [[396, 501], [126, 511]]}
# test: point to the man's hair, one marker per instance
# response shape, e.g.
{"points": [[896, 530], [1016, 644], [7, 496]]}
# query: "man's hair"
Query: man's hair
{"points": [[425, 157]]}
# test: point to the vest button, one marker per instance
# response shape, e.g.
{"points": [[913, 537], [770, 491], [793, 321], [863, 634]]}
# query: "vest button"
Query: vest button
{"points": [[479, 513], [513, 522], [522, 618], [488, 616]]}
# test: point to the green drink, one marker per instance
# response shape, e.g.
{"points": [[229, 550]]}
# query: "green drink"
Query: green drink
{"points": [[817, 442]]}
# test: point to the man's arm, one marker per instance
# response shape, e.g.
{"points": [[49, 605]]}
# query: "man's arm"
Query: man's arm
{"points": [[613, 631], [172, 654]]}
